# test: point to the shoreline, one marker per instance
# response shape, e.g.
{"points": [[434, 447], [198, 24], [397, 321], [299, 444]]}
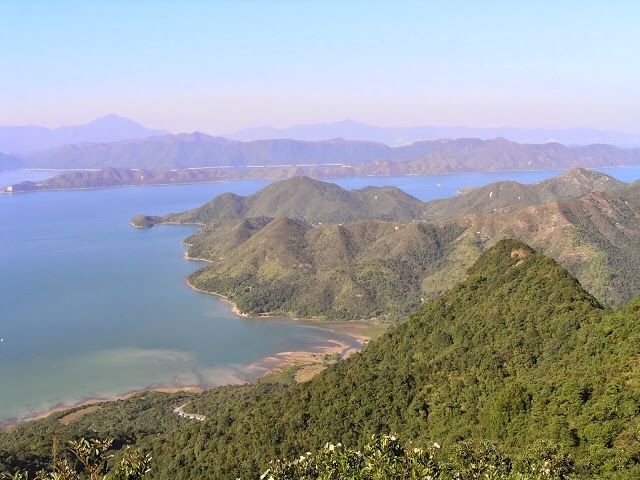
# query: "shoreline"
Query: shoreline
{"points": [[353, 329], [232, 306], [275, 178], [10, 424], [309, 361], [272, 364]]}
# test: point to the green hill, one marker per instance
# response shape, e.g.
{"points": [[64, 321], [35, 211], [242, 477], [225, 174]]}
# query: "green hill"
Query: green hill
{"points": [[308, 200], [516, 353], [510, 196], [362, 269], [314, 201], [596, 237], [385, 259]]}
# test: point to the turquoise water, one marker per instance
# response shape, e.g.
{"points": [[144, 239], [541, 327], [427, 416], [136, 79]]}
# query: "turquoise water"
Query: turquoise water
{"points": [[92, 307]]}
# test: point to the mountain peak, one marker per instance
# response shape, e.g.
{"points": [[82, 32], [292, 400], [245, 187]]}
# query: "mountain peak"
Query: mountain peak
{"points": [[106, 129], [112, 117], [585, 179], [527, 271]]}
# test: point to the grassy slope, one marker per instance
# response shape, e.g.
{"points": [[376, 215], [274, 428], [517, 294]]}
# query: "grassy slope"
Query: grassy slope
{"points": [[517, 352], [358, 270], [362, 269], [308, 200], [596, 237], [510, 196]]}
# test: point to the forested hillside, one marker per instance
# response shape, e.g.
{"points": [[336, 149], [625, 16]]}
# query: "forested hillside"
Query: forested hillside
{"points": [[286, 250], [510, 196], [363, 269], [310, 201], [517, 353]]}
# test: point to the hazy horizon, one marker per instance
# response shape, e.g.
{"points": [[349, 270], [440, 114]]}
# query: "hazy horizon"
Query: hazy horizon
{"points": [[224, 66], [312, 123]]}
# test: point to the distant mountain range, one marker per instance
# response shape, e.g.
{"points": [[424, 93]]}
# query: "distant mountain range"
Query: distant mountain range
{"points": [[111, 128], [396, 136], [8, 162], [329, 157]]}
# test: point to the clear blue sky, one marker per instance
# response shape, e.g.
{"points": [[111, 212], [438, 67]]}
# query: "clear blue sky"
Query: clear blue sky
{"points": [[217, 66]]}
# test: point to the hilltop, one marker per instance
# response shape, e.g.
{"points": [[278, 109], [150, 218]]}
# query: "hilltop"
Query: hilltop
{"points": [[363, 269], [308, 200], [110, 128], [509, 195], [518, 352]]}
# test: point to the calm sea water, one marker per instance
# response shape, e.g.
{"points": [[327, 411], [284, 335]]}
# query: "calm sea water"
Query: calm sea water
{"points": [[92, 307]]}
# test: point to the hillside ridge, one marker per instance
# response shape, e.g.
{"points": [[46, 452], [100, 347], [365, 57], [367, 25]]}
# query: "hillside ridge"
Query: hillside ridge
{"points": [[515, 354]]}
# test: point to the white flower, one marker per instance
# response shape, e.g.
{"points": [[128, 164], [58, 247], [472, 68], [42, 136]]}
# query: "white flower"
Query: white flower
{"points": [[436, 445]]}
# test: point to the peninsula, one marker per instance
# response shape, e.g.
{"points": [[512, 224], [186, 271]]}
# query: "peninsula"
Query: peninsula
{"points": [[306, 248]]}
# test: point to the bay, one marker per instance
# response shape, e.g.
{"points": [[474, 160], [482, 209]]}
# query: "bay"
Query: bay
{"points": [[90, 307]]}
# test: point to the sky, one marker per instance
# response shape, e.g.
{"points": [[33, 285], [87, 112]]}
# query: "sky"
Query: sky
{"points": [[219, 66]]}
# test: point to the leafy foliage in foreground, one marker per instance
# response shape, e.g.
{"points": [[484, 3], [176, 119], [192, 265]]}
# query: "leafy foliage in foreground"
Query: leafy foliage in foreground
{"points": [[385, 457], [516, 354], [89, 459]]}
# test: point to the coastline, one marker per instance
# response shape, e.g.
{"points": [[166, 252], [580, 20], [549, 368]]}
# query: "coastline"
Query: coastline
{"points": [[232, 306], [355, 329], [275, 177], [10, 424], [307, 362]]}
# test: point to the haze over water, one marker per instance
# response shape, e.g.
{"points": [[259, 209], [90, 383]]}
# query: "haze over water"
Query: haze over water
{"points": [[92, 307]]}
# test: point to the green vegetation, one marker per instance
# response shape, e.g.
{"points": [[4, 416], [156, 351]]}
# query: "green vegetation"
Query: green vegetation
{"points": [[372, 268], [384, 457], [310, 201], [358, 270], [516, 355], [511, 196], [89, 459], [282, 251]]}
